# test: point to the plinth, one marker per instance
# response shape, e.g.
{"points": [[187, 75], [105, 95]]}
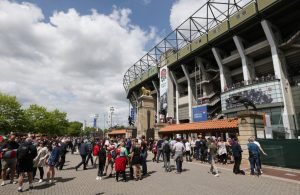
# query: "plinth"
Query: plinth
{"points": [[251, 124], [145, 115]]}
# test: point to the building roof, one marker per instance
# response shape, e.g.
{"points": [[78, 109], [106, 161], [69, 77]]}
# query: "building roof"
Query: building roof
{"points": [[117, 132], [207, 125]]}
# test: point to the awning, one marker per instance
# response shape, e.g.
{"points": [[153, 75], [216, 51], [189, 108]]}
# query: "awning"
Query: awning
{"points": [[117, 132], [207, 125]]}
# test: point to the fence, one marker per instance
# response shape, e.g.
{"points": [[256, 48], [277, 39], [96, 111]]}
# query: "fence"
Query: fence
{"points": [[281, 152]]}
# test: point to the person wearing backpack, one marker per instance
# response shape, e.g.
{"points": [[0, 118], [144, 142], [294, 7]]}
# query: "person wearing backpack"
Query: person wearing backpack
{"points": [[90, 151], [25, 155], [63, 152], [83, 150], [102, 158], [166, 149], [159, 149]]}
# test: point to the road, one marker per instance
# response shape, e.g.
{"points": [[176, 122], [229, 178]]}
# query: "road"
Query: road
{"points": [[195, 179]]}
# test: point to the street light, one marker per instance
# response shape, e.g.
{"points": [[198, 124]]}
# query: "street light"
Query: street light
{"points": [[111, 109]]}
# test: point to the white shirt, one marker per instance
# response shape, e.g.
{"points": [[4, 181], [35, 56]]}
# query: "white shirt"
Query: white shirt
{"points": [[258, 144], [178, 147], [193, 143], [187, 146]]}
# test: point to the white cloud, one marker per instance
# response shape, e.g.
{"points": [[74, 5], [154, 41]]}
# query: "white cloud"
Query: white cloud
{"points": [[73, 62], [182, 9]]}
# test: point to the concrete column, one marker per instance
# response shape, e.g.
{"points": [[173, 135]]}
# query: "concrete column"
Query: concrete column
{"points": [[247, 63], [187, 76], [224, 72], [173, 78], [157, 101], [279, 70]]}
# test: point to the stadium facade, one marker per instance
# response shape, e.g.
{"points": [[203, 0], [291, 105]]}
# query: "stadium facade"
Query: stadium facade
{"points": [[249, 48]]}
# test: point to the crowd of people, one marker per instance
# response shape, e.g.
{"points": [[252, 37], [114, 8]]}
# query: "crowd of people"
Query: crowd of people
{"points": [[27, 154], [263, 78]]}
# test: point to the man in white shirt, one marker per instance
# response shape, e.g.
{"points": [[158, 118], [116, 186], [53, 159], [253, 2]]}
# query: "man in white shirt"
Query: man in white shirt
{"points": [[188, 151], [179, 149], [261, 150]]}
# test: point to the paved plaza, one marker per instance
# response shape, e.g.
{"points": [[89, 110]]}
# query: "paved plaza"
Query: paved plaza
{"points": [[195, 179]]}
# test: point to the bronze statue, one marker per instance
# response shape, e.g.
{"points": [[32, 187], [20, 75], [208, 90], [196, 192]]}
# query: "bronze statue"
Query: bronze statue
{"points": [[145, 91], [243, 100]]}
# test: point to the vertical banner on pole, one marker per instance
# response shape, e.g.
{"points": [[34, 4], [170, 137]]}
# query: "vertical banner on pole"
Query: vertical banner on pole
{"points": [[163, 77], [132, 115], [95, 123]]}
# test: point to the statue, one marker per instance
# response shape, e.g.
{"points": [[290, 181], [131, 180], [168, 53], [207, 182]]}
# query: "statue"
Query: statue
{"points": [[145, 91], [243, 100]]}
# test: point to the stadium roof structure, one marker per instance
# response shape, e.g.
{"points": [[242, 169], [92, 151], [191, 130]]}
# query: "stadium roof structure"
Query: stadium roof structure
{"points": [[212, 19]]}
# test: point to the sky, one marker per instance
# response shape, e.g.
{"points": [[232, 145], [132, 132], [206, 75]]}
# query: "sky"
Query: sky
{"points": [[72, 54]]}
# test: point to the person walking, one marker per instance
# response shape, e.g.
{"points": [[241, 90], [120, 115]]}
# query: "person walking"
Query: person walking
{"points": [[253, 156], [167, 155], [159, 149], [40, 160], [90, 151], [222, 152], [136, 160], [52, 161], [62, 153], [101, 160], [212, 152], [188, 151], [154, 150], [144, 155], [237, 155], [179, 151], [110, 157], [25, 155], [259, 154], [83, 150], [9, 158]]}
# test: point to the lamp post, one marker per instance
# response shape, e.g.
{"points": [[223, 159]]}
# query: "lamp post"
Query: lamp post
{"points": [[111, 109]]}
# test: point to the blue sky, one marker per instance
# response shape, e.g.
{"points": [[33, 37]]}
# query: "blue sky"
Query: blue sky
{"points": [[145, 13]]}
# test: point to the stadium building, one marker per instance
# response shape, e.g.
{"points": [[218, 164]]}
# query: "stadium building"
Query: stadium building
{"points": [[249, 48]]}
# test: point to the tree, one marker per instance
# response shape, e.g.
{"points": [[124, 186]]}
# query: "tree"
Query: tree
{"points": [[74, 128], [11, 115]]}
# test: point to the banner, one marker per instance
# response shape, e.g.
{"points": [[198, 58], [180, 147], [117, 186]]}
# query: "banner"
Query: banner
{"points": [[132, 114], [163, 78], [200, 113], [95, 123]]}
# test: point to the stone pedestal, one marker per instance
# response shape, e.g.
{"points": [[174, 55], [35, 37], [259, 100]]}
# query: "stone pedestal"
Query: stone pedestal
{"points": [[158, 126], [145, 115], [250, 124]]}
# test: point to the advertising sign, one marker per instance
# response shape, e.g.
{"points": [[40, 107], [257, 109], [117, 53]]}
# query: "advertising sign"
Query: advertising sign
{"points": [[200, 113], [132, 114], [163, 77]]}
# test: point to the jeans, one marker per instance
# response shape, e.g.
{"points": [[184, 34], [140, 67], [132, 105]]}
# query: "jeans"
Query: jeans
{"points": [[61, 162], [101, 167], [144, 165], [254, 162], [213, 168], [167, 164], [83, 158], [159, 152], [178, 160], [88, 158], [237, 163]]}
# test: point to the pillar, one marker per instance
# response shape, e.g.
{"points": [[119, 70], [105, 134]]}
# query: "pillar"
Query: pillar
{"points": [[280, 73], [173, 78], [157, 101], [247, 63], [187, 76]]}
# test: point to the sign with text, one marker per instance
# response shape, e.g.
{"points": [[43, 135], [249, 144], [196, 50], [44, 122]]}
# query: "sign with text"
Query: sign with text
{"points": [[200, 113]]}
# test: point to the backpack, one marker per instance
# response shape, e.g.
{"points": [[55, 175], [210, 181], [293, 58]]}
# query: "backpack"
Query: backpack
{"points": [[24, 152], [166, 148], [114, 153], [54, 156]]}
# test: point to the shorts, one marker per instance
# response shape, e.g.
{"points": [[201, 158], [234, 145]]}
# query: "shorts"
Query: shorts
{"points": [[9, 163], [25, 166]]}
